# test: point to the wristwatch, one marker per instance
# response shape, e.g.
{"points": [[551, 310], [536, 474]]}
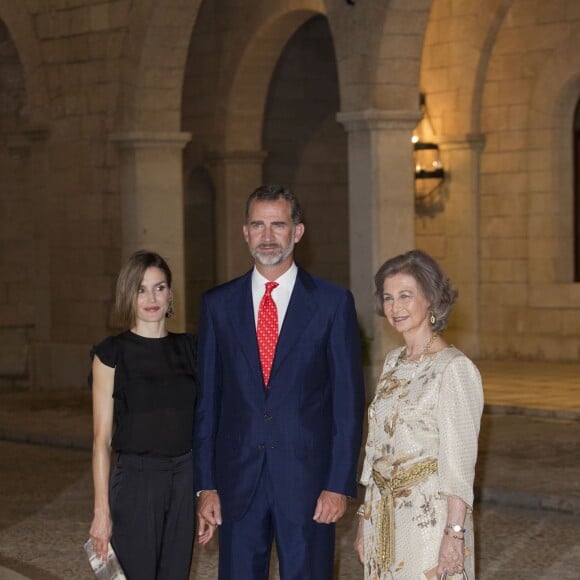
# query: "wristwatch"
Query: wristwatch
{"points": [[456, 528]]}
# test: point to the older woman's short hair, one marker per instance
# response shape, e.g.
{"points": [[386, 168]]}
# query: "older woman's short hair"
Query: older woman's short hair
{"points": [[434, 284], [130, 278]]}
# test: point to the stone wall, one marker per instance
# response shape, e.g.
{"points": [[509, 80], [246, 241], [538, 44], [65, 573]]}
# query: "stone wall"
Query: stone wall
{"points": [[504, 80], [529, 97], [97, 98], [16, 209]]}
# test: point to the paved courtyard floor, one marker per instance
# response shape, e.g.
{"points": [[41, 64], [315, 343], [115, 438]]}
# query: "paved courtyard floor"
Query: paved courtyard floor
{"points": [[46, 504], [527, 482]]}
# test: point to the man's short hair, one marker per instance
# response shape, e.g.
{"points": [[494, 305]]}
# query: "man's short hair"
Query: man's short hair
{"points": [[274, 193]]}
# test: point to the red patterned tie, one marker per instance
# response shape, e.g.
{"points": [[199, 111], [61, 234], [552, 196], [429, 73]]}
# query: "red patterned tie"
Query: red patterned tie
{"points": [[267, 330]]}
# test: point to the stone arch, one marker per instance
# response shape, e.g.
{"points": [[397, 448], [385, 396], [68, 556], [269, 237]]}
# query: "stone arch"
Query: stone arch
{"points": [[378, 48], [21, 30], [492, 26], [454, 63], [152, 79], [555, 96], [398, 62], [246, 96], [307, 148], [224, 104]]}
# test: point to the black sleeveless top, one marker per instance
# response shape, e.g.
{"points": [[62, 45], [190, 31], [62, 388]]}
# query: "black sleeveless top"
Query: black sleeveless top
{"points": [[154, 392]]}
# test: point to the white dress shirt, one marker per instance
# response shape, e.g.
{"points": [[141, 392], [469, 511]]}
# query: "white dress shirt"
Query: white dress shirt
{"points": [[281, 294]]}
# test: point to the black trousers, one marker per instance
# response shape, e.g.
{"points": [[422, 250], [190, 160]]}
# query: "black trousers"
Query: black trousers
{"points": [[152, 508]]}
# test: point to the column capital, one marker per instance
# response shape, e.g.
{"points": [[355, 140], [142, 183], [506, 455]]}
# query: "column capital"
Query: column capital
{"points": [[473, 141], [236, 156], [379, 119], [151, 139]]}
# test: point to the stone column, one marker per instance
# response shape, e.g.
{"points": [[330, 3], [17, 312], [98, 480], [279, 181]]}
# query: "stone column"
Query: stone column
{"points": [[381, 207], [235, 175], [151, 174], [461, 157]]}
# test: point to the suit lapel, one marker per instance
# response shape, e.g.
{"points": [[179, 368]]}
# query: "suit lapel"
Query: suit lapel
{"points": [[241, 313], [299, 314]]}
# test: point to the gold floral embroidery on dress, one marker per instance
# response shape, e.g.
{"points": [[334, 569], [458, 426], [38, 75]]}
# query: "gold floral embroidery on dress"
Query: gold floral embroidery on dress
{"points": [[427, 516], [389, 384], [390, 423]]}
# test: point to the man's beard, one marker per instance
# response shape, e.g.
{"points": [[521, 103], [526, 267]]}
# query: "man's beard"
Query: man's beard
{"points": [[272, 259]]}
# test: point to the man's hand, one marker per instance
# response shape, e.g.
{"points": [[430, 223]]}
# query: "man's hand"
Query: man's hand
{"points": [[330, 507], [210, 516]]}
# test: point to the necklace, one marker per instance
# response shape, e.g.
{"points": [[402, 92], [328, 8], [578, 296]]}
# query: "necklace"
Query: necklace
{"points": [[428, 343], [389, 383]]}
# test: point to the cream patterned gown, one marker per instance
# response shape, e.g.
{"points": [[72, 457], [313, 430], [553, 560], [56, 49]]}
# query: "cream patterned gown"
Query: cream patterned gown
{"points": [[422, 411]]}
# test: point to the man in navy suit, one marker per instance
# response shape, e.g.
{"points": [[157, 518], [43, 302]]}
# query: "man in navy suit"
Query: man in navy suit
{"points": [[276, 448]]}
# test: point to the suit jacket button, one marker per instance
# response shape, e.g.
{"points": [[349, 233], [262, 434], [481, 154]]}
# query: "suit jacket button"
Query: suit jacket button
{"points": [[261, 447], [267, 417]]}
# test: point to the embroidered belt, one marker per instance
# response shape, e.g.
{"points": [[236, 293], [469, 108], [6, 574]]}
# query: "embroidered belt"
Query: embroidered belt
{"points": [[389, 489]]}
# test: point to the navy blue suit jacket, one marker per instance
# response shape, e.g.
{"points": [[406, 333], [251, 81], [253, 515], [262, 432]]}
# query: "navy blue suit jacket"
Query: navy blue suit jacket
{"points": [[306, 426]]}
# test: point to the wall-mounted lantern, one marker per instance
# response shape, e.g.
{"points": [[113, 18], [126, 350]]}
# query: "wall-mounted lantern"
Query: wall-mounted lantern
{"points": [[429, 172]]}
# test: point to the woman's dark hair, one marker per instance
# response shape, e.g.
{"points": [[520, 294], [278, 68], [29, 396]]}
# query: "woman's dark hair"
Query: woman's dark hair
{"points": [[434, 284], [130, 278], [274, 193]]}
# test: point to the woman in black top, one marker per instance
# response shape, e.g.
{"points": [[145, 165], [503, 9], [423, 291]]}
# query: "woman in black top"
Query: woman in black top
{"points": [[144, 383]]}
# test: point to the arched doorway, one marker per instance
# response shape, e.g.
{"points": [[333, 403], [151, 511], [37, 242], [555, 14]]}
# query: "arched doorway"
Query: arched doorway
{"points": [[200, 271], [307, 149]]}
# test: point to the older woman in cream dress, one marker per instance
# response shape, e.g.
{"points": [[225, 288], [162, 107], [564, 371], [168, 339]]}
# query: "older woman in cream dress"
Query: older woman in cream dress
{"points": [[416, 520]]}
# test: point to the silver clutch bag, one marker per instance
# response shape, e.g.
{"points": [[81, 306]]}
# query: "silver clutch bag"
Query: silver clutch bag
{"points": [[104, 570]]}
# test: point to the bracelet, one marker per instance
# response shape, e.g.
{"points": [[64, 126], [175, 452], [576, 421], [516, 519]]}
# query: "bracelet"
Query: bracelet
{"points": [[449, 534], [360, 512]]}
